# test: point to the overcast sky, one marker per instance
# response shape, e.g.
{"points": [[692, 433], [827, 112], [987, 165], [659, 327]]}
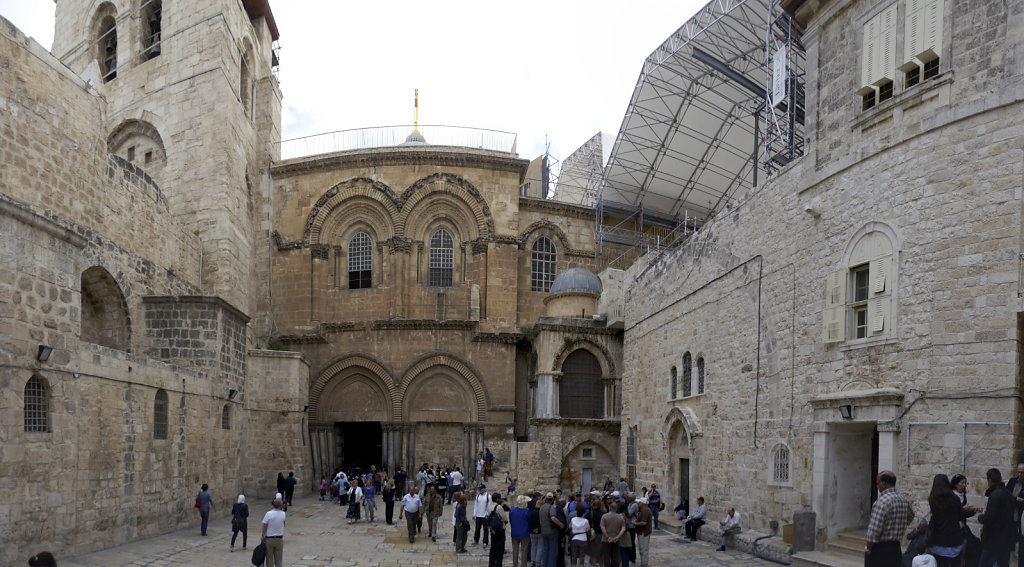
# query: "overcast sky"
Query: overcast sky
{"points": [[557, 70]]}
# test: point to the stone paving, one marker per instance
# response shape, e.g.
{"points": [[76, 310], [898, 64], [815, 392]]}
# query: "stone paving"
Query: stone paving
{"points": [[317, 535]]}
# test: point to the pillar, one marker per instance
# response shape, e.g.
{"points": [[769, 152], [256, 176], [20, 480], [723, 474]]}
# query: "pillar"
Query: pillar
{"points": [[887, 447]]}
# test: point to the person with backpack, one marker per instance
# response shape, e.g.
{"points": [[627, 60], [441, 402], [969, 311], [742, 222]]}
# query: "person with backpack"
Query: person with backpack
{"points": [[239, 522], [497, 517]]}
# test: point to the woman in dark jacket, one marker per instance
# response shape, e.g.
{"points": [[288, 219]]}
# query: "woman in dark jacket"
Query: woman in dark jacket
{"points": [[973, 551], [239, 521], [945, 536], [389, 501]]}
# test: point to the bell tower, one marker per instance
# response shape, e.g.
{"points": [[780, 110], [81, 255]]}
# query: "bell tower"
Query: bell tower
{"points": [[191, 99]]}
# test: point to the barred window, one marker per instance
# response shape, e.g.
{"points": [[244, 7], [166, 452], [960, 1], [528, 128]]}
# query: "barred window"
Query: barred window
{"points": [[580, 391], [360, 261], [780, 464], [160, 406], [700, 374], [37, 405], [442, 258], [542, 264], [674, 385], [225, 417], [687, 375]]}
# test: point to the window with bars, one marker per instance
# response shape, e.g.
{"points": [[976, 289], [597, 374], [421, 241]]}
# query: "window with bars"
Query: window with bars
{"points": [[687, 375], [360, 261], [442, 258], [160, 406], [780, 464], [700, 374], [674, 384], [542, 264], [37, 406], [580, 393], [225, 417]]}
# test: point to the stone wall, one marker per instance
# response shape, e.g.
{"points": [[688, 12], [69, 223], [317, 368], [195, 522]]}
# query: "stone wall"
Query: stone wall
{"points": [[938, 168]]}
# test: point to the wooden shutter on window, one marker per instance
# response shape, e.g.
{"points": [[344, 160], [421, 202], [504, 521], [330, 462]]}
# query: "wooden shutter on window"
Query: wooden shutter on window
{"points": [[886, 66], [834, 317], [880, 296], [923, 30]]}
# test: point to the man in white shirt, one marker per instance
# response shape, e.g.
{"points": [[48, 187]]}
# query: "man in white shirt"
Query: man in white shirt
{"points": [[456, 486], [480, 510], [273, 534], [696, 519], [412, 509], [730, 525]]}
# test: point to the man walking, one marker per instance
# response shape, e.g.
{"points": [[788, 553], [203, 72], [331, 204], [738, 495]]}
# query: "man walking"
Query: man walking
{"points": [[481, 506], [205, 505], [644, 524], [696, 519], [400, 478], [890, 516], [289, 487], [434, 508], [412, 509], [730, 525], [456, 484], [654, 501], [1016, 488], [997, 531], [549, 531], [497, 529], [273, 534]]}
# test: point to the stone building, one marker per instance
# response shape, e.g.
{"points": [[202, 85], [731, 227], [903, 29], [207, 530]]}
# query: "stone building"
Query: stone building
{"points": [[860, 308]]}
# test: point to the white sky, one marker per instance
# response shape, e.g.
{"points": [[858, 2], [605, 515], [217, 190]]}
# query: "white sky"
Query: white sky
{"points": [[559, 70]]}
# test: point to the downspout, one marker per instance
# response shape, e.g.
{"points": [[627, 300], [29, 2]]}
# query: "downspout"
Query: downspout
{"points": [[757, 368]]}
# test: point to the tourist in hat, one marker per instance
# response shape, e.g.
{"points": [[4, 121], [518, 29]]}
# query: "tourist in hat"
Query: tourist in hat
{"points": [[481, 506]]}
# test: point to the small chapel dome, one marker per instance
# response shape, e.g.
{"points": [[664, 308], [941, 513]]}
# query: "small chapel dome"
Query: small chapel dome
{"points": [[576, 280], [415, 139]]}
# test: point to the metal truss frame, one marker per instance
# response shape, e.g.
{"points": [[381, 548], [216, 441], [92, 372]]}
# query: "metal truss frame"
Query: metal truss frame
{"points": [[785, 110]]}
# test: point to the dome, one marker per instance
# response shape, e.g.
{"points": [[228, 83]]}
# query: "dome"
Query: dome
{"points": [[415, 139], [576, 280]]}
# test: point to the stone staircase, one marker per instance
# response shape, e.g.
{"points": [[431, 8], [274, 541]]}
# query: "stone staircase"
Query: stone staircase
{"points": [[845, 550]]}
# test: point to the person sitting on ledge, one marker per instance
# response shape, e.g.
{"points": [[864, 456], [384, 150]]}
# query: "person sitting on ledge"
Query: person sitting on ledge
{"points": [[730, 526]]}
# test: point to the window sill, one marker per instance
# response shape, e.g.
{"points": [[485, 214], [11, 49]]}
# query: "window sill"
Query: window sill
{"points": [[685, 398], [865, 343], [907, 98], [788, 484]]}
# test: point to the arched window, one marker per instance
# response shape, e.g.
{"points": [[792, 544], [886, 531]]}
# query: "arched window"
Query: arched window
{"points": [[360, 261], [104, 312], [442, 258], [687, 375], [859, 298], [674, 385], [580, 393], [37, 405], [225, 417], [245, 83], [542, 264], [780, 464], [151, 25], [700, 374], [160, 406], [107, 42]]}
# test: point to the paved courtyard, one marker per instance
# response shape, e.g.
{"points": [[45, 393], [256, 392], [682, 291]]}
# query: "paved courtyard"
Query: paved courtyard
{"points": [[318, 535]]}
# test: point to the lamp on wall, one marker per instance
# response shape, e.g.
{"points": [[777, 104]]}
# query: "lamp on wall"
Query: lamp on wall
{"points": [[44, 352], [231, 394], [846, 411]]}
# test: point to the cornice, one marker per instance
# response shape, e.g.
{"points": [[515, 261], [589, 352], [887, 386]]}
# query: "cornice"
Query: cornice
{"points": [[502, 338], [444, 156], [609, 425], [556, 207]]}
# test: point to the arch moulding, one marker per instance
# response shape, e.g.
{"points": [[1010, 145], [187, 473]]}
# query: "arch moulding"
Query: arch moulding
{"points": [[598, 350], [463, 369], [453, 185], [374, 369], [686, 417], [334, 197]]}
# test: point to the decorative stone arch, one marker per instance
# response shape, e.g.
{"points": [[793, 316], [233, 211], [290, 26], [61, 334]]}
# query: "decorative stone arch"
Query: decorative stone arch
{"points": [[103, 18], [687, 418], [359, 197], [544, 228], [143, 139], [105, 320], [444, 193], [476, 388], [343, 369], [679, 430], [604, 357], [573, 458]]}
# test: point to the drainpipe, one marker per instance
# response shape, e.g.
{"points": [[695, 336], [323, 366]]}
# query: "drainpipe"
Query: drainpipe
{"points": [[963, 439]]}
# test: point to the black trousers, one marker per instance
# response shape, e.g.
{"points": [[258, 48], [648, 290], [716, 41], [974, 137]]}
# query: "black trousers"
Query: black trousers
{"points": [[691, 528], [884, 554], [389, 511], [497, 548], [481, 524]]}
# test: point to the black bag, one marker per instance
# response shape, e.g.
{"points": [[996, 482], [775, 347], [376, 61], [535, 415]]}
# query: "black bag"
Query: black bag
{"points": [[494, 521], [259, 555]]}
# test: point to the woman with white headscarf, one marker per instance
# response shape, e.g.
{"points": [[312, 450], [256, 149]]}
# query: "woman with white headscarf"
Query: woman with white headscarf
{"points": [[239, 523]]}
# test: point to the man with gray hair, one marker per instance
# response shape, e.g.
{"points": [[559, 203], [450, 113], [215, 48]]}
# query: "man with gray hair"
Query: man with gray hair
{"points": [[273, 534]]}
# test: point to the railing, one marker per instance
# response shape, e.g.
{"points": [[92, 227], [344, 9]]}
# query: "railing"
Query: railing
{"points": [[391, 136]]}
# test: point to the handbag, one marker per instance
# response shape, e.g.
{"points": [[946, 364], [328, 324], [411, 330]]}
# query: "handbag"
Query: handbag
{"points": [[259, 554], [197, 501]]}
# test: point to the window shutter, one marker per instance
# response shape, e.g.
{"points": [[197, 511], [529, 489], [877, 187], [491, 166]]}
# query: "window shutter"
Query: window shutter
{"points": [[834, 317], [886, 67], [878, 314], [879, 272], [912, 29], [931, 36], [880, 298], [869, 53]]}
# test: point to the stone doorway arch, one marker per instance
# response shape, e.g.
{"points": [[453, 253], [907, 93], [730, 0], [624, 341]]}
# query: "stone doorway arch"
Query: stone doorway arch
{"points": [[680, 429]]}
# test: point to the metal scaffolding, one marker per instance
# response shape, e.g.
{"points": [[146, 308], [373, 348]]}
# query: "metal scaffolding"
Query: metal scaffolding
{"points": [[784, 110]]}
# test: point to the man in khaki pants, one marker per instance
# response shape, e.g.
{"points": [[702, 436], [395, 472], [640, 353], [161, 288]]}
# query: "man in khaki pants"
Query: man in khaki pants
{"points": [[273, 534]]}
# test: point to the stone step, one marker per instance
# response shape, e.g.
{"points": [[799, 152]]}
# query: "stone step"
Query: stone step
{"points": [[847, 545], [827, 559], [858, 536]]}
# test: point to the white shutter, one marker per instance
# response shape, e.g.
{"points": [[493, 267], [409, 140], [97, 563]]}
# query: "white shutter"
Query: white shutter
{"points": [[834, 317], [912, 29], [886, 66], [931, 33], [869, 53], [878, 315], [878, 272]]}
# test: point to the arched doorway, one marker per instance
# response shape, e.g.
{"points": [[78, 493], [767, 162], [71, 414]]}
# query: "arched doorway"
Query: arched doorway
{"points": [[681, 427]]}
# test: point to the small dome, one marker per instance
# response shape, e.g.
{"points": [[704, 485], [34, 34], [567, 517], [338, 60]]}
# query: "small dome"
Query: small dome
{"points": [[576, 280], [415, 139]]}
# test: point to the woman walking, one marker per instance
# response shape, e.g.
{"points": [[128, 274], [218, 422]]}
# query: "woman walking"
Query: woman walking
{"points": [[355, 500], [204, 501], [945, 539], [239, 521], [369, 501], [461, 523], [388, 494]]}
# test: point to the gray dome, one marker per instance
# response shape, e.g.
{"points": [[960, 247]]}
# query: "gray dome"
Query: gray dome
{"points": [[576, 280], [415, 139]]}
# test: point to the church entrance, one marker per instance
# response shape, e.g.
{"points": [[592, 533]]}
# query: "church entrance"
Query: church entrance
{"points": [[853, 449], [360, 444]]}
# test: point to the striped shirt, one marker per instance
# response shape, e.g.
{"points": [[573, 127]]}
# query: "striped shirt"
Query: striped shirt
{"points": [[890, 516]]}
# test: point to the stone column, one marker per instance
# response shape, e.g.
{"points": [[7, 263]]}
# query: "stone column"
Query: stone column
{"points": [[385, 438], [546, 404], [410, 430], [887, 446], [819, 472]]}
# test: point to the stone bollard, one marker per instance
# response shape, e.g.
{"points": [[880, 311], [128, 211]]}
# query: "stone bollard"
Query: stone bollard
{"points": [[803, 530]]}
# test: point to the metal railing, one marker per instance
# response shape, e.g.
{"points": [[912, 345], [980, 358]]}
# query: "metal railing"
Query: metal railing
{"points": [[391, 136]]}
